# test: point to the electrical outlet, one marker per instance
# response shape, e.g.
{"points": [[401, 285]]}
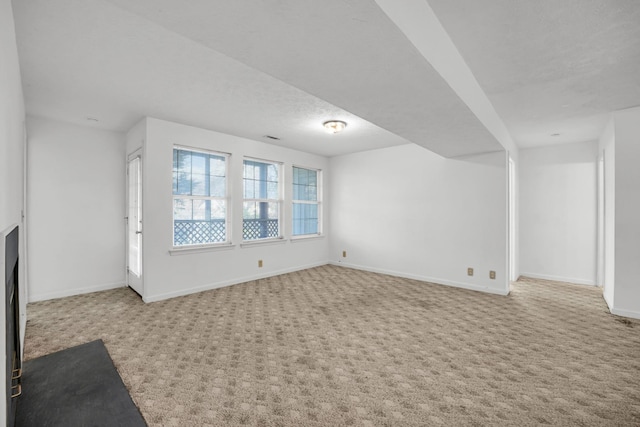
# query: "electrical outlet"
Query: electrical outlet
{"points": [[344, 254], [469, 271], [260, 263], [492, 274]]}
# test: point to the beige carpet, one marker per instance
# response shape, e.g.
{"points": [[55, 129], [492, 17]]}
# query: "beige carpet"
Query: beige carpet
{"points": [[332, 346]]}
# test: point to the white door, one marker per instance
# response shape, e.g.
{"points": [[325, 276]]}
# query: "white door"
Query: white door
{"points": [[134, 223]]}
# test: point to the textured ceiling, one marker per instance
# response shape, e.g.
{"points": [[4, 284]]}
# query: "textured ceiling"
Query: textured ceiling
{"points": [[245, 68], [550, 66], [348, 53], [84, 58], [282, 67]]}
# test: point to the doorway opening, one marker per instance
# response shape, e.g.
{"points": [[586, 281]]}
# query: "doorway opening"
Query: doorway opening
{"points": [[134, 223]]}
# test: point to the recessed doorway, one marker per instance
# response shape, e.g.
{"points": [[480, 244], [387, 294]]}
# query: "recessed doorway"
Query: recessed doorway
{"points": [[134, 223]]}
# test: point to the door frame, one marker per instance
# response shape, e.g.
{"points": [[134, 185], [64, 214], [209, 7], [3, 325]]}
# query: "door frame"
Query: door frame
{"points": [[138, 282]]}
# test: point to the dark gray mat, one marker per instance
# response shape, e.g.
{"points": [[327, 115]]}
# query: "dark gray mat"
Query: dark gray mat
{"points": [[78, 386]]}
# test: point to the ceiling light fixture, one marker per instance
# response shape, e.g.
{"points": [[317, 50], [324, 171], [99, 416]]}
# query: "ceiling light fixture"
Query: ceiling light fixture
{"points": [[334, 126], [555, 134]]}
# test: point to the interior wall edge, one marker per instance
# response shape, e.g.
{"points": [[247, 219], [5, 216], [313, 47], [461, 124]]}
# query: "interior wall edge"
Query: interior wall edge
{"points": [[573, 280], [76, 291], [434, 280], [225, 283], [608, 300], [625, 313]]}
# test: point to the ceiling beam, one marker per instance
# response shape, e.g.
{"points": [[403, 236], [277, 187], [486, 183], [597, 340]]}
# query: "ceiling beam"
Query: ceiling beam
{"points": [[421, 26]]}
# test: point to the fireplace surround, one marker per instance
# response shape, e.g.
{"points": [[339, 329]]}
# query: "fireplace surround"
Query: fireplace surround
{"points": [[13, 371]]}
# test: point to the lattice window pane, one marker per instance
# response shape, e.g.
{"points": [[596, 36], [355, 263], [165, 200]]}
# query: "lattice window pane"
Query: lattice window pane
{"points": [[253, 229], [193, 232]]}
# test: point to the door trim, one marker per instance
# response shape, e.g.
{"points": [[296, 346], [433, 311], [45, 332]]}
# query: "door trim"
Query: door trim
{"points": [[137, 154]]}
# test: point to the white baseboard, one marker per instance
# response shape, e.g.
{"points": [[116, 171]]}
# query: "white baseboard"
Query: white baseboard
{"points": [[560, 279], [435, 280], [626, 313], [216, 285], [71, 292]]}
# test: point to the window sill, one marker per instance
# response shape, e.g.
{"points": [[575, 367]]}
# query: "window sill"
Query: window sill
{"points": [[304, 238], [263, 242], [200, 249]]}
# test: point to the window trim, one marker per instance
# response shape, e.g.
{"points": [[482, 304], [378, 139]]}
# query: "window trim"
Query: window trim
{"points": [[279, 201], [265, 241], [199, 248], [318, 202], [202, 247]]}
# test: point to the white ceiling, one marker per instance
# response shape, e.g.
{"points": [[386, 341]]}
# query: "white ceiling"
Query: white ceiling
{"points": [[282, 67], [550, 66]]}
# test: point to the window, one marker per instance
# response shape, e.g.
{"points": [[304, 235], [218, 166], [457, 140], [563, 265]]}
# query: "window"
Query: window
{"points": [[306, 201], [199, 197], [261, 207]]}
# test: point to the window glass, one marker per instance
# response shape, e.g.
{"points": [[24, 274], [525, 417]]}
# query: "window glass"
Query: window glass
{"points": [[306, 202], [261, 206], [199, 197]]}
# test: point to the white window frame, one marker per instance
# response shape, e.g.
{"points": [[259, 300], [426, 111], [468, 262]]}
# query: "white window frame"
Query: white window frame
{"points": [[279, 201], [317, 202], [226, 199]]}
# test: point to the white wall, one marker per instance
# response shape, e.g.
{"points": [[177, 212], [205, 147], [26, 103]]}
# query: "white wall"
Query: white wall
{"points": [[135, 137], [627, 213], [516, 226], [558, 212], [620, 143], [606, 147], [76, 201], [166, 275], [409, 212], [11, 166]]}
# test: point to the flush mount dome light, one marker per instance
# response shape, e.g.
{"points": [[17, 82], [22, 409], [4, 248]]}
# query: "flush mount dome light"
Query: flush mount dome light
{"points": [[334, 126]]}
